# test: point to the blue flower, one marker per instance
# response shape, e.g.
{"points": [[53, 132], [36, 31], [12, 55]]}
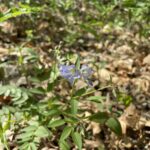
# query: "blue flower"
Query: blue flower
{"points": [[69, 72]]}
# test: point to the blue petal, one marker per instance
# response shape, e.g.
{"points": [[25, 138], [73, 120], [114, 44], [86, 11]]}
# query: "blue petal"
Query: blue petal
{"points": [[86, 71], [69, 72], [71, 80], [66, 70]]}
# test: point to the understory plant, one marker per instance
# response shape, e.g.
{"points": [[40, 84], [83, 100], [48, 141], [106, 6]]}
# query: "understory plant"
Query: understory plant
{"points": [[50, 110], [42, 113]]}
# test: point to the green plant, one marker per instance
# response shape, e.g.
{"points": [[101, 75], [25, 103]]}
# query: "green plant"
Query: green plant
{"points": [[43, 117], [48, 107], [29, 137], [17, 95], [5, 125], [14, 12]]}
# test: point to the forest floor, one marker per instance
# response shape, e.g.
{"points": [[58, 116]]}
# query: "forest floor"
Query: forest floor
{"points": [[124, 58]]}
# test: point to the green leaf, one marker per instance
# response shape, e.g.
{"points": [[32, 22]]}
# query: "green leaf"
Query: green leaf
{"points": [[18, 93], [126, 99], [7, 93], [96, 98], [66, 132], [24, 140], [42, 132], [51, 86], [72, 120], [100, 117], [79, 92], [64, 145], [114, 125], [28, 146], [1, 131], [8, 122], [77, 139], [14, 12], [56, 123], [30, 128], [36, 140], [24, 146], [74, 106], [52, 112], [37, 91], [54, 73], [25, 135], [77, 63], [19, 101], [33, 146]]}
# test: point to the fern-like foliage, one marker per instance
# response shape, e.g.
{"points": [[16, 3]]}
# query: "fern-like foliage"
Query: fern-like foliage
{"points": [[29, 137], [18, 95]]}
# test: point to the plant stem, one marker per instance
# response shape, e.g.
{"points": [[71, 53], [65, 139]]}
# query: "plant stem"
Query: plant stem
{"points": [[90, 92]]}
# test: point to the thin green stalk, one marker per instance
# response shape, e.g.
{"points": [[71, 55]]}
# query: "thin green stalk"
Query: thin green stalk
{"points": [[90, 92]]}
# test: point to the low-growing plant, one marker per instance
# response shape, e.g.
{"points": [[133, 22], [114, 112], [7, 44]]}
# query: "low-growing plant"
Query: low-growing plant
{"points": [[18, 11], [48, 107], [38, 117]]}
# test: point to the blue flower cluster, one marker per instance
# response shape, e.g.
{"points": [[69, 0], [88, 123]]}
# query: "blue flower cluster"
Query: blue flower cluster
{"points": [[71, 73]]}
